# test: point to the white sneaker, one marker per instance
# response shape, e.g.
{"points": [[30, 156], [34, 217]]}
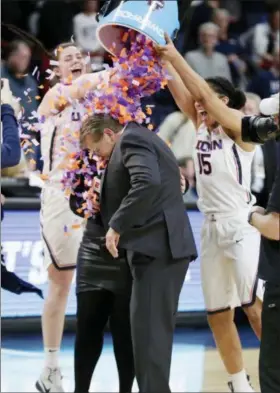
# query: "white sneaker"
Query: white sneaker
{"points": [[50, 381], [247, 389]]}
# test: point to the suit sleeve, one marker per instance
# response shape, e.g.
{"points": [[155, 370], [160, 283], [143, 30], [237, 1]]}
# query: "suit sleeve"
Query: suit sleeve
{"points": [[141, 161], [10, 148]]}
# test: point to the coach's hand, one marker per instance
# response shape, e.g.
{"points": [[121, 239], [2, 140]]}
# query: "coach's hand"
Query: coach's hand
{"points": [[184, 184], [112, 241]]}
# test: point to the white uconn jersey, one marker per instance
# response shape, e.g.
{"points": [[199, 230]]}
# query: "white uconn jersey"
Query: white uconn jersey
{"points": [[59, 139], [223, 173]]}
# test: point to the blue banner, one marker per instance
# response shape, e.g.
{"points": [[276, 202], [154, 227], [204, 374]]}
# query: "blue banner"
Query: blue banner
{"points": [[23, 254]]}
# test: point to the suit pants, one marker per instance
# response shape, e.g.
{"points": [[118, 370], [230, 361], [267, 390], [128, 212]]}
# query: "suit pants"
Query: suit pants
{"points": [[269, 363], [155, 294]]}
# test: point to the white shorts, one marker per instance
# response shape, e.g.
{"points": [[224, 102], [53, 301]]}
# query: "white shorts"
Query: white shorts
{"points": [[229, 263], [61, 230]]}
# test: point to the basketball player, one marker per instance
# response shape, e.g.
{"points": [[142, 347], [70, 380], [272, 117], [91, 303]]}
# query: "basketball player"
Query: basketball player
{"points": [[61, 229], [229, 246]]}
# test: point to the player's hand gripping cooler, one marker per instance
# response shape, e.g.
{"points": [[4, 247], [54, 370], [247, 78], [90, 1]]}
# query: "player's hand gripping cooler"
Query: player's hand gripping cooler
{"points": [[151, 18]]}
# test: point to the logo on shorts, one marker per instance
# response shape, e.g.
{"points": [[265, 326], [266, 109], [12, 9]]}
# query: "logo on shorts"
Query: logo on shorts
{"points": [[272, 305]]}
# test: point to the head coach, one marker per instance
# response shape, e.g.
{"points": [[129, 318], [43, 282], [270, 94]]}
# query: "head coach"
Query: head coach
{"points": [[268, 224]]}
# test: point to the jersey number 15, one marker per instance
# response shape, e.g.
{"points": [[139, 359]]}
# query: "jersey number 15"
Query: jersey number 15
{"points": [[204, 164]]}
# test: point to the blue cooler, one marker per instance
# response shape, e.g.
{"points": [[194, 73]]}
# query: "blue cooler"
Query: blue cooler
{"points": [[151, 18]]}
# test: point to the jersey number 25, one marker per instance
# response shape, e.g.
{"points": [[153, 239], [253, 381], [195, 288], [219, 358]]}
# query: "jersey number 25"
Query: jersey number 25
{"points": [[204, 164]]}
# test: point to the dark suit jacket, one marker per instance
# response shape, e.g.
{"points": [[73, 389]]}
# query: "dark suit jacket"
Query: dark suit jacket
{"points": [[141, 197]]}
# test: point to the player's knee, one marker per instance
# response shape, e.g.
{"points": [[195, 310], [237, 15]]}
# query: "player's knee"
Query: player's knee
{"points": [[220, 321], [59, 282], [61, 290], [253, 313]]}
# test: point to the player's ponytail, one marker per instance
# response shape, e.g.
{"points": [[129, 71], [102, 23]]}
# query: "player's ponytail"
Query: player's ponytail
{"points": [[239, 99], [224, 87]]}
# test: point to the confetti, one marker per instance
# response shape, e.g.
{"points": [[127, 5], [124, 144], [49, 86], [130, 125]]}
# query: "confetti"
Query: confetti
{"points": [[87, 60], [35, 70], [76, 226], [139, 73], [54, 63], [44, 177], [80, 171], [51, 74], [35, 142]]}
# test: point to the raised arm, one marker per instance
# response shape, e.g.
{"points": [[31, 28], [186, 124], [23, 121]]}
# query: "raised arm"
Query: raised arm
{"points": [[181, 94], [60, 96], [200, 91]]}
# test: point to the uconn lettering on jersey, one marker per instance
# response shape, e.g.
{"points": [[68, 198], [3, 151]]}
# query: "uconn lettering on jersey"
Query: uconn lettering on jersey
{"points": [[205, 146]]}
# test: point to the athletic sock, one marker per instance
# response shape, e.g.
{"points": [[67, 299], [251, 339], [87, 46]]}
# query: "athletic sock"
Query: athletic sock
{"points": [[51, 357], [240, 382]]}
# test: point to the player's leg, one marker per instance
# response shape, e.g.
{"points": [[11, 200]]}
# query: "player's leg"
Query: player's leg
{"points": [[254, 312], [61, 244], [221, 322], [52, 327], [219, 292], [250, 289], [242, 250]]}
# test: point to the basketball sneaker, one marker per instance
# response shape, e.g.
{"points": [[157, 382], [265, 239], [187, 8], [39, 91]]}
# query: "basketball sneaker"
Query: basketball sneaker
{"points": [[50, 381], [247, 389]]}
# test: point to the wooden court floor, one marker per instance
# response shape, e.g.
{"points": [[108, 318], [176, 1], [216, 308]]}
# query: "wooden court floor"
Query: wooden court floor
{"points": [[196, 366], [215, 378]]}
